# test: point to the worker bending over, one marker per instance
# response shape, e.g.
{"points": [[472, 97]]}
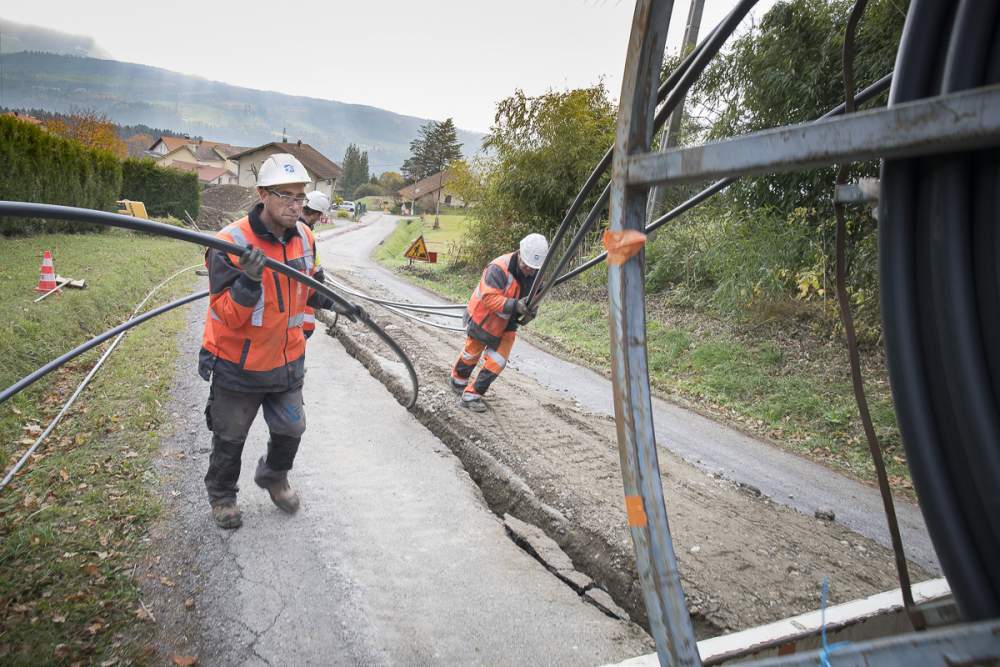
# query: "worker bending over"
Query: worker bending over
{"points": [[495, 310], [253, 348]]}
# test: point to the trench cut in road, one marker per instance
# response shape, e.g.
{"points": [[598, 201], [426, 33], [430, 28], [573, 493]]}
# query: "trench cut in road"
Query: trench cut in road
{"points": [[394, 557], [784, 477]]}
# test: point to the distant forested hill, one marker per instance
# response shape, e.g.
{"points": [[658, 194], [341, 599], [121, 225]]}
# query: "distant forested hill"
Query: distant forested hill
{"points": [[24, 37], [132, 94]]}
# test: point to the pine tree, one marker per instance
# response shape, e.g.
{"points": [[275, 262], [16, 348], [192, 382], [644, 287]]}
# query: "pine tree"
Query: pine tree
{"points": [[432, 152], [355, 170]]}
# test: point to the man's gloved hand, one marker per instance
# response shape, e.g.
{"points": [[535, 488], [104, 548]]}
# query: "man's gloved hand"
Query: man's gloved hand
{"points": [[354, 313], [528, 316], [252, 262], [521, 307]]}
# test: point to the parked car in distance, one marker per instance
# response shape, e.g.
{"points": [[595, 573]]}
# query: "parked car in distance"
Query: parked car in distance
{"points": [[346, 206]]}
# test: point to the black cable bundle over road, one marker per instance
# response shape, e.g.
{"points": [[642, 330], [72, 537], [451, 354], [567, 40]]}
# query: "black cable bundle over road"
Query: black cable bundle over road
{"points": [[940, 286], [27, 210]]}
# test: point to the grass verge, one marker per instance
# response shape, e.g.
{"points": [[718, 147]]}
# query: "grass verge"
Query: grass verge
{"points": [[73, 522], [780, 383]]}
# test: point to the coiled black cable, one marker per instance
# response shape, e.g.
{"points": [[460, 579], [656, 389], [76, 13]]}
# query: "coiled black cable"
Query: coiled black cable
{"points": [[929, 298]]}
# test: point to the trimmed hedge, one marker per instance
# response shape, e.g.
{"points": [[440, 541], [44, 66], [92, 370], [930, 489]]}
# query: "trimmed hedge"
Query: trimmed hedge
{"points": [[42, 168], [164, 191]]}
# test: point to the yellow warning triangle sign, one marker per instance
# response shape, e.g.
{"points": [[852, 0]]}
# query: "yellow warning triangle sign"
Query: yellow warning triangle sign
{"points": [[417, 250]]}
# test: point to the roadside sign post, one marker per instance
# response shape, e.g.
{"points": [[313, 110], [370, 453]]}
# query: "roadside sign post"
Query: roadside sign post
{"points": [[418, 251]]}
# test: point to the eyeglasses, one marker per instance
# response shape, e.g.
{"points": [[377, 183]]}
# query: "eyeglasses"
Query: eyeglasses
{"points": [[290, 200]]}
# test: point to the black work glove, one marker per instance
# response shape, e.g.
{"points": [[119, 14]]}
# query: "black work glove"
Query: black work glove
{"points": [[252, 262], [528, 316], [521, 307], [351, 312]]}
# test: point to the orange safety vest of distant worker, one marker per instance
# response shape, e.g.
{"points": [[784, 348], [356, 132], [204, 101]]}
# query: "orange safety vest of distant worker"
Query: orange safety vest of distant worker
{"points": [[487, 304], [268, 335]]}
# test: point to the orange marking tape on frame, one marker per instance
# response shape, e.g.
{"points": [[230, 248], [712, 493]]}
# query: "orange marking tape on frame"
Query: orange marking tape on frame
{"points": [[635, 512], [623, 245]]}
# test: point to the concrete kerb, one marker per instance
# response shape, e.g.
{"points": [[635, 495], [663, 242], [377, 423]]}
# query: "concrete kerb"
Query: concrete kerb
{"points": [[506, 494]]}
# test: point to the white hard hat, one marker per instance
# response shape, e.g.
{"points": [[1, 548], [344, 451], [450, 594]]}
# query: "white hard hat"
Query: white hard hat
{"points": [[534, 247], [317, 201], [281, 169]]}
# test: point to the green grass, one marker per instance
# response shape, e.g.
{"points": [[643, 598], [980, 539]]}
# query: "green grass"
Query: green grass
{"points": [[440, 240], [72, 522], [762, 381], [803, 404]]}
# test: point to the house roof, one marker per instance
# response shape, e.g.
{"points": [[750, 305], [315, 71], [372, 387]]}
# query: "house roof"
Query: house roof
{"points": [[204, 151], [182, 166], [228, 150], [174, 151], [172, 143], [425, 186], [209, 174], [311, 158]]}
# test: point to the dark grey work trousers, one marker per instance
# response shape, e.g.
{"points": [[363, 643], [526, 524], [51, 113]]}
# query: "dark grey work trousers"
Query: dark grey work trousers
{"points": [[229, 415]]}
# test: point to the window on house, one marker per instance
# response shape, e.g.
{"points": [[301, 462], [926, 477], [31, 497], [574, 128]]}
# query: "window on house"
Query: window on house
{"points": [[447, 200]]}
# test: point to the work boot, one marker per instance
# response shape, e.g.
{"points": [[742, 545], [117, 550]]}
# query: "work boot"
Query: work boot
{"points": [[276, 483], [227, 515], [457, 386], [473, 402]]}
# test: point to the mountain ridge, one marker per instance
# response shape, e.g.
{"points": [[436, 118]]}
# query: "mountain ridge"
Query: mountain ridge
{"points": [[132, 93]]}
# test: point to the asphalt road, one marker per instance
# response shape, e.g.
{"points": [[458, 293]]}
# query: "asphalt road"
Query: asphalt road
{"points": [[394, 557], [786, 478]]}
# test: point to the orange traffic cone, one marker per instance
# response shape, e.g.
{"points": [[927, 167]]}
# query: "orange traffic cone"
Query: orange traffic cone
{"points": [[47, 280]]}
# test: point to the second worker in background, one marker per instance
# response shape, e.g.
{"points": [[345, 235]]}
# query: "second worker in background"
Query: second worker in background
{"points": [[496, 308]]}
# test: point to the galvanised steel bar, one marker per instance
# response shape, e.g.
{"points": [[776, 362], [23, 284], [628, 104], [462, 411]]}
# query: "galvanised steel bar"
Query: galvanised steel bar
{"points": [[669, 620], [675, 79], [865, 95], [943, 124], [977, 644]]}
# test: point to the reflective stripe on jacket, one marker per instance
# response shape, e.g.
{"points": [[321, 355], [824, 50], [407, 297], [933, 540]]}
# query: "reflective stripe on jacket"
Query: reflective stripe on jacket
{"points": [[491, 306], [253, 338]]}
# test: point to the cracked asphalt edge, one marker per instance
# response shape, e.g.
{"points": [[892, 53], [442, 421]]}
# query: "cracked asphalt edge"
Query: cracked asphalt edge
{"points": [[505, 493]]}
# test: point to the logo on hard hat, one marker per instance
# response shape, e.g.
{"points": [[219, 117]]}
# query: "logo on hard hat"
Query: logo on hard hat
{"points": [[289, 169]]}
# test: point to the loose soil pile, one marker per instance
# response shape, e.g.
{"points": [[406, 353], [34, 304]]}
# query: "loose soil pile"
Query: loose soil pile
{"points": [[221, 204]]}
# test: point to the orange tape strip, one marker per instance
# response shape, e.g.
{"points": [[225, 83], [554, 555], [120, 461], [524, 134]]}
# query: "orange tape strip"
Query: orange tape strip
{"points": [[635, 512], [623, 245]]}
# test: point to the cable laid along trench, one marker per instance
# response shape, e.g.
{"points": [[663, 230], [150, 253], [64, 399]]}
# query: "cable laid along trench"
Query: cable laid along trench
{"points": [[121, 330]]}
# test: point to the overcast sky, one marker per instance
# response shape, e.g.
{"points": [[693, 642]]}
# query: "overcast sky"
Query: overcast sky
{"points": [[432, 59]]}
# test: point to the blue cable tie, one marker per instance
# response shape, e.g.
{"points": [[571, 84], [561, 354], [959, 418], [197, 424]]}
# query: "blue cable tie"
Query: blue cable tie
{"points": [[828, 649]]}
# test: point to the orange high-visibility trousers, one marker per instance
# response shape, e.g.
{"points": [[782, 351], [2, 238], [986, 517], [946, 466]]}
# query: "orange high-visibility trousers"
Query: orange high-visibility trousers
{"points": [[494, 361]]}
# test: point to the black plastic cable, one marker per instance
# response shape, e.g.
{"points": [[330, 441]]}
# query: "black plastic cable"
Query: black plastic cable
{"points": [[909, 329], [865, 95], [38, 374], [966, 386], [426, 309], [672, 91], [676, 77], [28, 210]]}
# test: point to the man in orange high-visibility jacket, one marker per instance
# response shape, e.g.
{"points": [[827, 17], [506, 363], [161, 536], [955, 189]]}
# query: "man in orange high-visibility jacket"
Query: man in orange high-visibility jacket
{"points": [[315, 206], [253, 347], [495, 310]]}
